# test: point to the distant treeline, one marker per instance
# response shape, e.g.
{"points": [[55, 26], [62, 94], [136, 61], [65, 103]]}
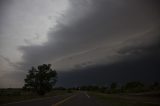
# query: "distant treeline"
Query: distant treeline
{"points": [[130, 87]]}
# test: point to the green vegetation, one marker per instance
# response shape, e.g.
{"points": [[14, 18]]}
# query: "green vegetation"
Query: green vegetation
{"points": [[130, 87], [130, 94], [125, 100], [15, 95], [40, 80]]}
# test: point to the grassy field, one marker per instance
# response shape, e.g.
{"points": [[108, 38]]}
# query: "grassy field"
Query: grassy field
{"points": [[128, 99], [16, 95]]}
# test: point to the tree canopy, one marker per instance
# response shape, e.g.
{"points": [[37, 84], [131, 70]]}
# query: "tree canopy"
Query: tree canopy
{"points": [[40, 79]]}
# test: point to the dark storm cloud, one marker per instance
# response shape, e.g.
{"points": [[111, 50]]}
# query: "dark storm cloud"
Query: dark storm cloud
{"points": [[138, 64], [89, 23], [141, 47], [105, 21], [144, 69]]}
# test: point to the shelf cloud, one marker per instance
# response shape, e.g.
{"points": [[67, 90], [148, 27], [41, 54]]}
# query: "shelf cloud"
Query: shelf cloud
{"points": [[99, 40]]}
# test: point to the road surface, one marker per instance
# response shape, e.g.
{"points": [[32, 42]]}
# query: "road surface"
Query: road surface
{"points": [[77, 99], [81, 99]]}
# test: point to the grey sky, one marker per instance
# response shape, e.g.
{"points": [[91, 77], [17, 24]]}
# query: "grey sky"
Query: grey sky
{"points": [[74, 34]]}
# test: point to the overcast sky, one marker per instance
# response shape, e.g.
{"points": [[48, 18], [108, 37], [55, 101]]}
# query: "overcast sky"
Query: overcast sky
{"points": [[86, 41]]}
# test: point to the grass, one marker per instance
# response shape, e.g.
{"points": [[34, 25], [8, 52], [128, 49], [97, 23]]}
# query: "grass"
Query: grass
{"points": [[9, 96], [124, 100], [9, 99]]}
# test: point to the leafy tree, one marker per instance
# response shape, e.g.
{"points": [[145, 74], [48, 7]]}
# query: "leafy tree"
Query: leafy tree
{"points": [[134, 86], [155, 86], [113, 86], [40, 80]]}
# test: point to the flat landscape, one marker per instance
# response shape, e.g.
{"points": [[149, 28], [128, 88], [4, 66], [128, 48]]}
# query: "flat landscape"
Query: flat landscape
{"points": [[79, 52], [90, 98]]}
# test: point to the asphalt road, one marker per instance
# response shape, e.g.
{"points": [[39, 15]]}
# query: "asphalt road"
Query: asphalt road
{"points": [[77, 99], [82, 99]]}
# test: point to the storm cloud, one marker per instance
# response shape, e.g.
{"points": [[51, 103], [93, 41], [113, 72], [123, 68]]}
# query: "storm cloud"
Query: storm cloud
{"points": [[102, 25], [100, 40]]}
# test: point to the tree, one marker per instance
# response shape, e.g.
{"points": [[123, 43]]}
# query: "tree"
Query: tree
{"points": [[134, 86], [40, 80], [155, 86], [113, 86]]}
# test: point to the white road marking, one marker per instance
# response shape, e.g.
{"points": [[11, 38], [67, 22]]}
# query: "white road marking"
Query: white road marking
{"points": [[64, 100]]}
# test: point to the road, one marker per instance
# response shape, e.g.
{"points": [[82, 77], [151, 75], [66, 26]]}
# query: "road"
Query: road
{"points": [[82, 99], [77, 99]]}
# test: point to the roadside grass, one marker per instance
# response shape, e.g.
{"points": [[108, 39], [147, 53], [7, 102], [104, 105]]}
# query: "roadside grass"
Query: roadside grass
{"points": [[123, 100], [9, 99], [10, 96]]}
